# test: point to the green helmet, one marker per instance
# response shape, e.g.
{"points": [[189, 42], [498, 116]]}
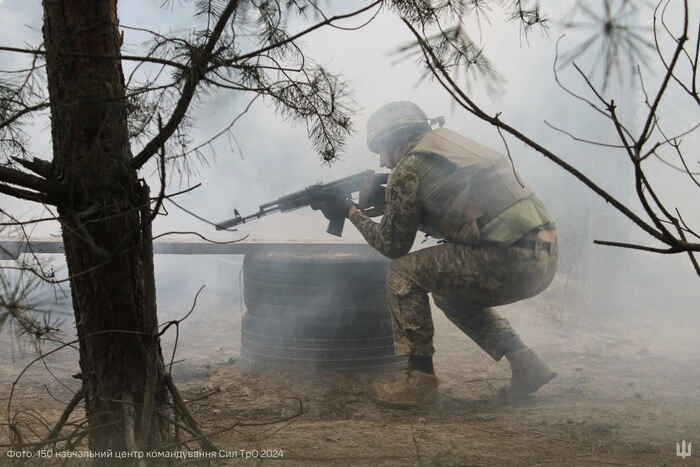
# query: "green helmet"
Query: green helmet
{"points": [[392, 120]]}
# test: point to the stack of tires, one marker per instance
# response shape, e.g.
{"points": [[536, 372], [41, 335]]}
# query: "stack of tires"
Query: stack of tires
{"points": [[322, 308]]}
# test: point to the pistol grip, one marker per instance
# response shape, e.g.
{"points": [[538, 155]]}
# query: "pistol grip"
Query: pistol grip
{"points": [[335, 226]]}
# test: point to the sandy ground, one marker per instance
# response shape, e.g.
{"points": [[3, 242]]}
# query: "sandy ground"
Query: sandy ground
{"points": [[628, 390]]}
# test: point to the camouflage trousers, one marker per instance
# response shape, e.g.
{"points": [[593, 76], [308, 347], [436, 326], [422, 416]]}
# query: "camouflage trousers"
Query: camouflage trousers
{"points": [[465, 282]]}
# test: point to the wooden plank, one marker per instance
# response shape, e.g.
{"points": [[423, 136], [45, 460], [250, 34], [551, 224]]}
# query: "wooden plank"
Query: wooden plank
{"points": [[13, 248]]}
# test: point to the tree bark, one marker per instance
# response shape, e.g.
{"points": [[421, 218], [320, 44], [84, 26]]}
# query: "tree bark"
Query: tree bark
{"points": [[108, 249]]}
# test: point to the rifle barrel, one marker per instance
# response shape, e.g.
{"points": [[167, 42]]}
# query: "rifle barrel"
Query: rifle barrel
{"points": [[238, 219]]}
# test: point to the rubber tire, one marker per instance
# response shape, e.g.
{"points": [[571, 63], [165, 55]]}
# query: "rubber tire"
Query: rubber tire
{"points": [[326, 344], [317, 285]]}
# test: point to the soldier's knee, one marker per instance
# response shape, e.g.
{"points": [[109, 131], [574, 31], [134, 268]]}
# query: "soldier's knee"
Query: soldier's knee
{"points": [[396, 285], [398, 278]]}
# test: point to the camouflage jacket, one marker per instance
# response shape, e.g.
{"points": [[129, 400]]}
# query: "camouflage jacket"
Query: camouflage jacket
{"points": [[412, 181]]}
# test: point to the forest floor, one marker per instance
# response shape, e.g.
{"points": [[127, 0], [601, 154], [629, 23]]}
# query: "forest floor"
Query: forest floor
{"points": [[627, 392]]}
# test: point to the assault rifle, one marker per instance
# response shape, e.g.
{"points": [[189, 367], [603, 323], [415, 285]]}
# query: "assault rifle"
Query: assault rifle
{"points": [[369, 185]]}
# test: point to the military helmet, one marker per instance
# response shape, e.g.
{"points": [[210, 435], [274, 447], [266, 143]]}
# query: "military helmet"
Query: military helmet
{"points": [[392, 119]]}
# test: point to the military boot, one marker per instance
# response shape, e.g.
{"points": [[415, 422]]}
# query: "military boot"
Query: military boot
{"points": [[529, 373], [417, 390]]}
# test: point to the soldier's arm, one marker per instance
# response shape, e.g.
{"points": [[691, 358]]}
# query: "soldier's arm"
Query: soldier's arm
{"points": [[394, 235]]}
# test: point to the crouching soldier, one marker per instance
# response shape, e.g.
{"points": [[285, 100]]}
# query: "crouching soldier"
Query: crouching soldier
{"points": [[499, 247]]}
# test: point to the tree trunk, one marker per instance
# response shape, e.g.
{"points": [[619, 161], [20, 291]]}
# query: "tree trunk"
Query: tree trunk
{"points": [[108, 244]]}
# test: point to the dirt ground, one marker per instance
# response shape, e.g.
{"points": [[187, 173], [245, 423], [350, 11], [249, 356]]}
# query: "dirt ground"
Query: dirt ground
{"points": [[628, 390]]}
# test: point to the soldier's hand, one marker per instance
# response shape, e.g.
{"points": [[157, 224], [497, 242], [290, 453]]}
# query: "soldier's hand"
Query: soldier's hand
{"points": [[334, 207]]}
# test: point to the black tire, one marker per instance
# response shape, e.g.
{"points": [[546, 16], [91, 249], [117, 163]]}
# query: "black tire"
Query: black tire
{"points": [[327, 344], [318, 285]]}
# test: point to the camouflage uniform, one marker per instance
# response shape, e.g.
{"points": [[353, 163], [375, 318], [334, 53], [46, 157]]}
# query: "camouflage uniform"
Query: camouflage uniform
{"points": [[484, 262]]}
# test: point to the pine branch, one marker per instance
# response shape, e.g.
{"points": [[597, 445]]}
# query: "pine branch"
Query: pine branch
{"points": [[26, 195], [38, 166], [194, 74], [31, 182]]}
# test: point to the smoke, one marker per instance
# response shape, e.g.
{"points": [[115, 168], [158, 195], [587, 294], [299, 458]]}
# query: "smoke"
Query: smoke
{"points": [[266, 158]]}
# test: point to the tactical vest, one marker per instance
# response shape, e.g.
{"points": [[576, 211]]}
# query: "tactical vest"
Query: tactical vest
{"points": [[482, 185]]}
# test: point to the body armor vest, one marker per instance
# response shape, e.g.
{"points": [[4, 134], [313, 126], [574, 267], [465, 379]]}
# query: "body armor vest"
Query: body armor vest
{"points": [[482, 185]]}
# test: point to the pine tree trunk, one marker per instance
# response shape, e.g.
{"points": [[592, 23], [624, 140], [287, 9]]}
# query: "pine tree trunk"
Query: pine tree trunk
{"points": [[108, 246]]}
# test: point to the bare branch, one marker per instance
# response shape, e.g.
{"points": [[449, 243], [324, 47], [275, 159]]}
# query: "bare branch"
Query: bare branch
{"points": [[583, 140], [692, 89], [646, 131], [667, 251], [468, 104]]}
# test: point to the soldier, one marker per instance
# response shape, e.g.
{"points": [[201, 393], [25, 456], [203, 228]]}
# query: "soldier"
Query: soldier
{"points": [[499, 246]]}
